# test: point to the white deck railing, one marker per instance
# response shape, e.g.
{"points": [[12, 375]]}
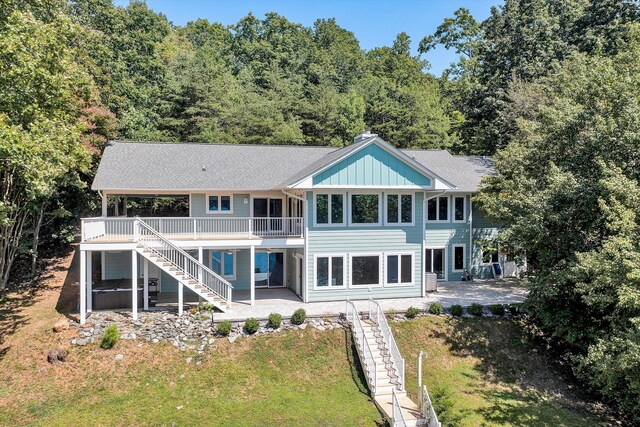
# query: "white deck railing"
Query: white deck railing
{"points": [[377, 315], [362, 346], [398, 416], [191, 267], [121, 228], [428, 412]]}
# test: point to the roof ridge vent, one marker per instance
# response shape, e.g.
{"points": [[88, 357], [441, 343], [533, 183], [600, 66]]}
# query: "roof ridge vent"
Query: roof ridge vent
{"points": [[364, 135]]}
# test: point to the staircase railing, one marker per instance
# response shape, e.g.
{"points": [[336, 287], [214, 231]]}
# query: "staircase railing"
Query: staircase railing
{"points": [[194, 269], [377, 315], [398, 416], [362, 346], [428, 412]]}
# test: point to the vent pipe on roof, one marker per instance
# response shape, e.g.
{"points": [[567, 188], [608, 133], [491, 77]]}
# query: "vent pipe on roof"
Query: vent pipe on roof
{"points": [[364, 135]]}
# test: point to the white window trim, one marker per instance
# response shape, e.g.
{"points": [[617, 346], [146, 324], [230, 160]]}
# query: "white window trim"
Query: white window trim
{"points": [[380, 208], [413, 271], [218, 195], [380, 256], [437, 199], [315, 272], [413, 209], [446, 261], [224, 253], [315, 209], [485, 264], [464, 209], [453, 257]]}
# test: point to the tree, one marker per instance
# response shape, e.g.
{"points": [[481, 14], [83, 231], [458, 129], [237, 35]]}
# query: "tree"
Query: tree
{"points": [[42, 91], [567, 192]]}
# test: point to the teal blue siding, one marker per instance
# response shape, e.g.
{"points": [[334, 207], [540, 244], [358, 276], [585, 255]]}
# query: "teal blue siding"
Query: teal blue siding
{"points": [[243, 266], [371, 165], [354, 240], [447, 234], [240, 209], [483, 230], [118, 265]]}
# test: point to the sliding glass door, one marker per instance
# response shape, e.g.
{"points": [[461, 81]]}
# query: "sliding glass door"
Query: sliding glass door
{"points": [[269, 269], [268, 214]]}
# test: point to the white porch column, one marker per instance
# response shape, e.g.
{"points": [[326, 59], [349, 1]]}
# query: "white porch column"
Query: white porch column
{"points": [[134, 285], [180, 298], [102, 265], [146, 284], [89, 280], [83, 287], [104, 204], [252, 275]]}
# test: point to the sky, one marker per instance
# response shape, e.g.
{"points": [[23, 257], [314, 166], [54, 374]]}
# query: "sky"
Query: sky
{"points": [[374, 22]]}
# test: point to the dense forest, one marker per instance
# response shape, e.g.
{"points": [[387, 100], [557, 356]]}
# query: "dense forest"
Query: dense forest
{"points": [[549, 88]]}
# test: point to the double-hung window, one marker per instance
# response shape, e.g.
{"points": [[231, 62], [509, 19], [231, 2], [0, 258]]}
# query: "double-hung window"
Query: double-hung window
{"points": [[219, 203], [365, 209], [330, 271], [459, 208], [224, 264], [366, 270], [399, 269], [329, 209], [438, 209], [399, 209]]}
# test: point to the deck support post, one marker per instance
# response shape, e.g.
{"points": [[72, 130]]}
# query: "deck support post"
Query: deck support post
{"points": [[180, 298], [201, 261], [83, 287], [89, 281], [134, 284], [104, 204], [146, 284], [252, 275]]}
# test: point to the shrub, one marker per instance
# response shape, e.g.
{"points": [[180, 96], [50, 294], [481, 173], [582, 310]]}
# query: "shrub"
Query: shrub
{"points": [[412, 312], [497, 309], [110, 337], [436, 308], [457, 310], [299, 316], [275, 319], [476, 309], [251, 326], [515, 309], [224, 328], [206, 306]]}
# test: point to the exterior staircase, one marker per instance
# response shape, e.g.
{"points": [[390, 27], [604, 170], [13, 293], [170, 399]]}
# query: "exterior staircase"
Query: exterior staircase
{"points": [[183, 267], [384, 369]]}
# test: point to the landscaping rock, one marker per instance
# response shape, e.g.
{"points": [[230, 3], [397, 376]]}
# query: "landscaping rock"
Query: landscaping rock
{"points": [[57, 356], [232, 338], [303, 326], [119, 357], [61, 325]]}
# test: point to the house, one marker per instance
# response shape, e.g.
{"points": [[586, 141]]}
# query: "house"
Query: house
{"points": [[366, 220]]}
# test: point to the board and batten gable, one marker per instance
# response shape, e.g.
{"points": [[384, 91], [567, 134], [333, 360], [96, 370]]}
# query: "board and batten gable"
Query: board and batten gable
{"points": [[341, 240], [371, 166]]}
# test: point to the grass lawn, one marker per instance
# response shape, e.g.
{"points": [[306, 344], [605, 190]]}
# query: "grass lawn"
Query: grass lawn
{"points": [[481, 372], [484, 372]]}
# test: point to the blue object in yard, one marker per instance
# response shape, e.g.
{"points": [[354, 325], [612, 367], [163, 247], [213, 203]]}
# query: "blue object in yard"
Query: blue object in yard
{"points": [[497, 269]]}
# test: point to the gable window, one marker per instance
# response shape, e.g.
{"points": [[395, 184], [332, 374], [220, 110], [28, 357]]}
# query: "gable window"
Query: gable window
{"points": [[329, 209], [438, 209], [459, 257], [399, 209], [365, 270], [399, 269], [219, 204], [365, 208], [330, 271], [224, 264], [459, 204]]}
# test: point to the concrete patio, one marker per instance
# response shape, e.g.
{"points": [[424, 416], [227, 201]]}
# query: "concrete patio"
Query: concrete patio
{"points": [[285, 302]]}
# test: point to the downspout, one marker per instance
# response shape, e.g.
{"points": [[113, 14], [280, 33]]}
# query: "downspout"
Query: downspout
{"points": [[303, 285]]}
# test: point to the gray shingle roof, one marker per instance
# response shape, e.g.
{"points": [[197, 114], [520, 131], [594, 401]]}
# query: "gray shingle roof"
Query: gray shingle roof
{"points": [[179, 167]]}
